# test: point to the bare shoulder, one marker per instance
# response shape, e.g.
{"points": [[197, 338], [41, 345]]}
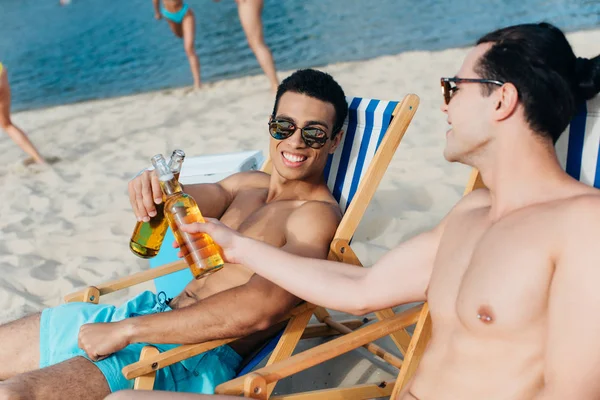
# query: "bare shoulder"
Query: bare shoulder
{"points": [[477, 199], [315, 218], [245, 180], [580, 225], [583, 210]]}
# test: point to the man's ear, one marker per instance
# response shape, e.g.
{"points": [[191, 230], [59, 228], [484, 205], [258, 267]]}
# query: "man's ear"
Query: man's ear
{"points": [[336, 141], [507, 100]]}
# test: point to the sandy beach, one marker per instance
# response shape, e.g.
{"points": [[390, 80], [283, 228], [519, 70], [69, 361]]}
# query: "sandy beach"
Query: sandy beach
{"points": [[67, 227]]}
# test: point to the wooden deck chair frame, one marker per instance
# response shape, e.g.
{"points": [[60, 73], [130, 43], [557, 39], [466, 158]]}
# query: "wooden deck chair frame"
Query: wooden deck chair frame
{"points": [[151, 359], [255, 385]]}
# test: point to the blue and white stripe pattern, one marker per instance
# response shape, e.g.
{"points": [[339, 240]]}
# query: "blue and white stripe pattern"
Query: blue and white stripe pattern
{"points": [[578, 148], [364, 129]]}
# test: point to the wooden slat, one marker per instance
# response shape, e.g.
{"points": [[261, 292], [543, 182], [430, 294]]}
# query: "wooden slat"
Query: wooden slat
{"points": [[371, 347], [403, 114], [344, 252], [146, 382], [288, 342], [358, 392], [400, 338], [131, 280], [255, 387], [475, 182], [415, 352], [324, 330], [326, 351], [184, 352]]}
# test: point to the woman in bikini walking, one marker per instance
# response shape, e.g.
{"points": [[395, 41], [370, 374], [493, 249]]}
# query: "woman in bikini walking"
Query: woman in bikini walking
{"points": [[182, 21]]}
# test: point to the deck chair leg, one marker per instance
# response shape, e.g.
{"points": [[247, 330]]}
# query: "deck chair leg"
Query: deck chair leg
{"points": [[146, 382], [288, 342]]}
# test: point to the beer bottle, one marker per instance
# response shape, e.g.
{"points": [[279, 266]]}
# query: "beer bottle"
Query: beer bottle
{"points": [[148, 236], [199, 250]]}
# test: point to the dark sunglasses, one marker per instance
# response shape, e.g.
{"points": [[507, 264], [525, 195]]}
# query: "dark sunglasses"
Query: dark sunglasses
{"points": [[449, 85], [281, 129]]}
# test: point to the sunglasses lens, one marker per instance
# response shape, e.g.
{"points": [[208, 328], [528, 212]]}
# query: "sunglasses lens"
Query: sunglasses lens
{"points": [[446, 91], [280, 130], [313, 137]]}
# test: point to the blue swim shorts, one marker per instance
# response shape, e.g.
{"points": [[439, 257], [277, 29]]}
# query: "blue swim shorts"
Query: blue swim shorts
{"points": [[59, 330]]}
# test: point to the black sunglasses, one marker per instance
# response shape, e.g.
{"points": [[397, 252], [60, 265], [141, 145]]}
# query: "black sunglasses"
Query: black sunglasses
{"points": [[281, 129], [449, 85]]}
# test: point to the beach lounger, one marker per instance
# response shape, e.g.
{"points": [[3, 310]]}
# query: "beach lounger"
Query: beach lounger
{"points": [[578, 151], [374, 130]]}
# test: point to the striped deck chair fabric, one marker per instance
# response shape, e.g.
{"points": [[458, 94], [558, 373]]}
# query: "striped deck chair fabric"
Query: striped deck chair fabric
{"points": [[578, 148], [364, 128]]}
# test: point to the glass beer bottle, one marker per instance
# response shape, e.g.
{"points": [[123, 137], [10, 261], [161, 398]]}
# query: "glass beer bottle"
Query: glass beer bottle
{"points": [[199, 250], [148, 236]]}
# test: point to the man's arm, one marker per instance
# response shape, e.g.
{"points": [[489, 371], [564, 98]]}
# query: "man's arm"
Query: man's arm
{"points": [[572, 360], [401, 276], [212, 198], [236, 312]]}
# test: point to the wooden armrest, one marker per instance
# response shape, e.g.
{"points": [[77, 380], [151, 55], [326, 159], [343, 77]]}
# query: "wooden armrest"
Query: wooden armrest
{"points": [[184, 352], [162, 360], [128, 281], [326, 351]]}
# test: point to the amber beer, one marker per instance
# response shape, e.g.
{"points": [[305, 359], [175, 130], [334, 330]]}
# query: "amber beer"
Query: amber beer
{"points": [[199, 250], [148, 236]]}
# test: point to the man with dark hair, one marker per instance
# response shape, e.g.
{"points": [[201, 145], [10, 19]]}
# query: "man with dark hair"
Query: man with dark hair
{"points": [[82, 347], [320, 86], [511, 273]]}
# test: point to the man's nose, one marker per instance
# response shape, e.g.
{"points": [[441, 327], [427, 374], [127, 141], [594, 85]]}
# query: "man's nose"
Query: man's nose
{"points": [[444, 107], [296, 139]]}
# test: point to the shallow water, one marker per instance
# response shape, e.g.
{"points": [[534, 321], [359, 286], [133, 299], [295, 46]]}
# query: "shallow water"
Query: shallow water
{"points": [[96, 49]]}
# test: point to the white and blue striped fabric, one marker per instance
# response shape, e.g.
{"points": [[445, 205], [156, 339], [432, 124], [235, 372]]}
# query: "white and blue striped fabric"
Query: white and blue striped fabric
{"points": [[364, 128], [578, 148]]}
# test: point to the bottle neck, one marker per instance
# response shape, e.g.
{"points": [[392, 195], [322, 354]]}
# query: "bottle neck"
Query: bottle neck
{"points": [[170, 187]]}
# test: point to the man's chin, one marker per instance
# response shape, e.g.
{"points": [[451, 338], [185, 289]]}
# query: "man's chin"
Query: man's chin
{"points": [[451, 157]]}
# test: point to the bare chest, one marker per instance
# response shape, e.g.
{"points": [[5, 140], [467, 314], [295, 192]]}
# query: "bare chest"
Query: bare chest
{"points": [[252, 216], [493, 277]]}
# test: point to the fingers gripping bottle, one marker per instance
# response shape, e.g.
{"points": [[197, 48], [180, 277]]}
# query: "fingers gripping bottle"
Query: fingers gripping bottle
{"points": [[199, 250], [148, 236]]}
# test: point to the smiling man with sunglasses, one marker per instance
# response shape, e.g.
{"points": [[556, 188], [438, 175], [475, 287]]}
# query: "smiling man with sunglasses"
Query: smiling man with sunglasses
{"points": [[82, 347], [511, 273]]}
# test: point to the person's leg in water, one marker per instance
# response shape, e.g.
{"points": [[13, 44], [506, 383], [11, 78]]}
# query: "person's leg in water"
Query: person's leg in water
{"points": [[16, 134], [187, 30], [250, 12], [189, 34]]}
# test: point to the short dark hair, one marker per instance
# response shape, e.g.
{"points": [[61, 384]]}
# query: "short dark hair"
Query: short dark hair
{"points": [[539, 61], [319, 85]]}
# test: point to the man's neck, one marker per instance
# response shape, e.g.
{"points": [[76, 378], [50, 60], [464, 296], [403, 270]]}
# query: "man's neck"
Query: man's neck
{"points": [[286, 189], [521, 175]]}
